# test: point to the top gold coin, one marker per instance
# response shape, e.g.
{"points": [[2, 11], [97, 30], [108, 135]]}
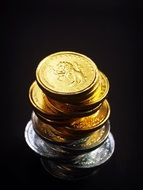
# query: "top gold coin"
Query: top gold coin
{"points": [[66, 73]]}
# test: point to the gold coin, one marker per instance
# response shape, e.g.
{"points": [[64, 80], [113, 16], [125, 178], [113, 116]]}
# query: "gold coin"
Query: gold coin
{"points": [[73, 110], [94, 102], [92, 121], [81, 142], [66, 73], [41, 104], [58, 130], [77, 99], [99, 94], [46, 131], [83, 124], [97, 137], [43, 107], [93, 140]]}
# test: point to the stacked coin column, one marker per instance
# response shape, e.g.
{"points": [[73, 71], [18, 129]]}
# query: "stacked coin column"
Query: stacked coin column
{"points": [[70, 126]]}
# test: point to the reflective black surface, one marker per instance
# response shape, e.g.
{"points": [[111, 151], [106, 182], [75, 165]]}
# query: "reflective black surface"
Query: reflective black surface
{"points": [[107, 32]]}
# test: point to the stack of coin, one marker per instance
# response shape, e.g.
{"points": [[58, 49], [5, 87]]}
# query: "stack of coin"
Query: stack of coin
{"points": [[69, 125]]}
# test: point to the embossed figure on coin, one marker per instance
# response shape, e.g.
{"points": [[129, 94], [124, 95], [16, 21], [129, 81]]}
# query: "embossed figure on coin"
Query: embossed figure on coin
{"points": [[69, 73], [66, 73]]}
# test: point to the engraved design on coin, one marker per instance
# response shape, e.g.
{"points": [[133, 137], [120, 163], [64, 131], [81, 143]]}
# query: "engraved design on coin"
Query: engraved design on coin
{"points": [[68, 72]]}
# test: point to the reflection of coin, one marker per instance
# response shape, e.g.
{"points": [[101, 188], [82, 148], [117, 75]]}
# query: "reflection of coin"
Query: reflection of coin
{"points": [[90, 103], [66, 73], [41, 103]]}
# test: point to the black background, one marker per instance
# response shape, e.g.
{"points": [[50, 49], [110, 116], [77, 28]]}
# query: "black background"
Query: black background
{"points": [[109, 32]]}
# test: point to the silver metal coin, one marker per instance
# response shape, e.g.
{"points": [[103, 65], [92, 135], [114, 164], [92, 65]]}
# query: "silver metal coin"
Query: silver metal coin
{"points": [[90, 159]]}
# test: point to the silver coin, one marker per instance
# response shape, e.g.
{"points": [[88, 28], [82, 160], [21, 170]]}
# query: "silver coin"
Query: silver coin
{"points": [[84, 160], [41, 147], [36, 143]]}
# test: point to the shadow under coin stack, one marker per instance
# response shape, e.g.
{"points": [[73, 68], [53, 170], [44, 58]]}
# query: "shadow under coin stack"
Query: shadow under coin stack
{"points": [[69, 126]]}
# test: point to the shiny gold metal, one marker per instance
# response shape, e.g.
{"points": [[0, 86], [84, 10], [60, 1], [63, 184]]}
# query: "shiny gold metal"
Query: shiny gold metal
{"points": [[69, 122], [85, 123], [66, 74], [92, 121], [73, 110], [60, 129], [97, 137], [41, 103], [99, 94], [46, 131], [43, 128], [49, 133], [62, 79], [94, 102], [43, 107]]}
